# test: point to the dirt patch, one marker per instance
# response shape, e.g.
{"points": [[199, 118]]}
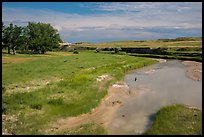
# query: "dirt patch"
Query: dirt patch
{"points": [[193, 70], [9, 119], [102, 115]]}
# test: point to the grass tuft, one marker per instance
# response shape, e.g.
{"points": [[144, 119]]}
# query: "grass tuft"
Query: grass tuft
{"points": [[177, 120]]}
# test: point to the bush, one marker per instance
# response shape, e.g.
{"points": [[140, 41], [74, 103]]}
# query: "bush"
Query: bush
{"points": [[76, 52], [3, 89], [57, 101], [117, 50], [98, 50], [36, 106], [4, 108]]}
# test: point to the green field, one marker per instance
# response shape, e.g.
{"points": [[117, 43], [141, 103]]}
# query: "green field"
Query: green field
{"points": [[187, 48], [187, 42], [177, 120], [39, 89]]}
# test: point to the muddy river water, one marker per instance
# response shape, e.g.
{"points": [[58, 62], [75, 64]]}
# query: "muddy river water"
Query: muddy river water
{"points": [[156, 86]]}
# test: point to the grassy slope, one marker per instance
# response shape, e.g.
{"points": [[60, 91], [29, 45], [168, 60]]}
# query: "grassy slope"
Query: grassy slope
{"points": [[189, 48], [77, 93], [177, 120], [196, 42]]}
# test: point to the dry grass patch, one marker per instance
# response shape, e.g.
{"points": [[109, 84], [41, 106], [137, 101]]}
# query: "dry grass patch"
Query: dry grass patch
{"points": [[31, 85], [11, 60]]}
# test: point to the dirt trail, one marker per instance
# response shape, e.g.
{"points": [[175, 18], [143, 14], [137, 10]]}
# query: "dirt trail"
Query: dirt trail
{"points": [[102, 115], [193, 70]]}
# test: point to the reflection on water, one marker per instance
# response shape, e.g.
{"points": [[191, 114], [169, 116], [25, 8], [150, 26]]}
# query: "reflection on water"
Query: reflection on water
{"points": [[156, 86]]}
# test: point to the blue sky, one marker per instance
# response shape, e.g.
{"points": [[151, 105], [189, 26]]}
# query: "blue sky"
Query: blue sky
{"points": [[110, 21]]}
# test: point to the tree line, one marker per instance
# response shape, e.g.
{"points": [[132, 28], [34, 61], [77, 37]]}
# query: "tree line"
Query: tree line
{"points": [[33, 38]]}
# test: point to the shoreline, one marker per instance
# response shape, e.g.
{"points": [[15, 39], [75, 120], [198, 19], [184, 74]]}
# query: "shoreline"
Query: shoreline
{"points": [[117, 94], [102, 115], [193, 70]]}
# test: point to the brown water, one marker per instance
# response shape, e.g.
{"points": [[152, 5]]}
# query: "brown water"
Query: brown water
{"points": [[156, 86]]}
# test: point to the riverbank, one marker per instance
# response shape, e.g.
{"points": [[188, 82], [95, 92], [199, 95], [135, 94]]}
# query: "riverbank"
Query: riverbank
{"points": [[102, 115], [177, 120], [117, 95], [47, 89], [157, 86], [193, 70]]}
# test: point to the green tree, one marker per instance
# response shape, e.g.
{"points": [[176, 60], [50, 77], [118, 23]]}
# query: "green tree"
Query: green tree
{"points": [[2, 34], [24, 41], [42, 37], [6, 36], [11, 37], [17, 38]]}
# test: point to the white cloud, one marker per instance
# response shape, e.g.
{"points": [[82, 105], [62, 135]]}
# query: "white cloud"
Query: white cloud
{"points": [[140, 17]]}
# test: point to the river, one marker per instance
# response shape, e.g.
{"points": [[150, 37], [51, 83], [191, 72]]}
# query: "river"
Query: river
{"points": [[156, 86]]}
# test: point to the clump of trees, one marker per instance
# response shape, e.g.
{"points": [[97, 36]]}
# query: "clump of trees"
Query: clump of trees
{"points": [[181, 39], [33, 38]]}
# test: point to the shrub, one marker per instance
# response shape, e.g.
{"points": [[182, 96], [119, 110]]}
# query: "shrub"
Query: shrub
{"points": [[36, 106], [57, 101], [98, 50], [3, 89], [117, 49], [4, 108], [76, 52]]}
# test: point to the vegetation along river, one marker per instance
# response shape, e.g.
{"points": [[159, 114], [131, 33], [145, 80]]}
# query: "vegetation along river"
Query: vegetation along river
{"points": [[156, 86]]}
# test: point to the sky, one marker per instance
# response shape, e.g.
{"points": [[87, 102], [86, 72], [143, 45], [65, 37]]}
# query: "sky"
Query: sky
{"points": [[110, 21]]}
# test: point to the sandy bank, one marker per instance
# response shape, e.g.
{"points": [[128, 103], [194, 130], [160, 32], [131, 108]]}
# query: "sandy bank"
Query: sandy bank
{"points": [[193, 70]]}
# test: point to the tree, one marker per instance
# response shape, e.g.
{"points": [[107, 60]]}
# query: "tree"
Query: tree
{"points": [[2, 34], [42, 37], [11, 37], [17, 38], [24, 41], [5, 37], [34, 38]]}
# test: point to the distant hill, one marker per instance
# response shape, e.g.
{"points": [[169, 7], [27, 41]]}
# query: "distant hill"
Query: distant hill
{"points": [[177, 42]]}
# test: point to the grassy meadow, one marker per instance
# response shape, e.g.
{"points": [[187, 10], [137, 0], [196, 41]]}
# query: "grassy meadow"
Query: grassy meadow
{"points": [[177, 120], [39, 89]]}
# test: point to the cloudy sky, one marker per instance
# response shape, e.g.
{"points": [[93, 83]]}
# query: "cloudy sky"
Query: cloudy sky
{"points": [[110, 21]]}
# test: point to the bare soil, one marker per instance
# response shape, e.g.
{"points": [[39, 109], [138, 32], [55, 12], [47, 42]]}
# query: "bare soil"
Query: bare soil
{"points": [[193, 70]]}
